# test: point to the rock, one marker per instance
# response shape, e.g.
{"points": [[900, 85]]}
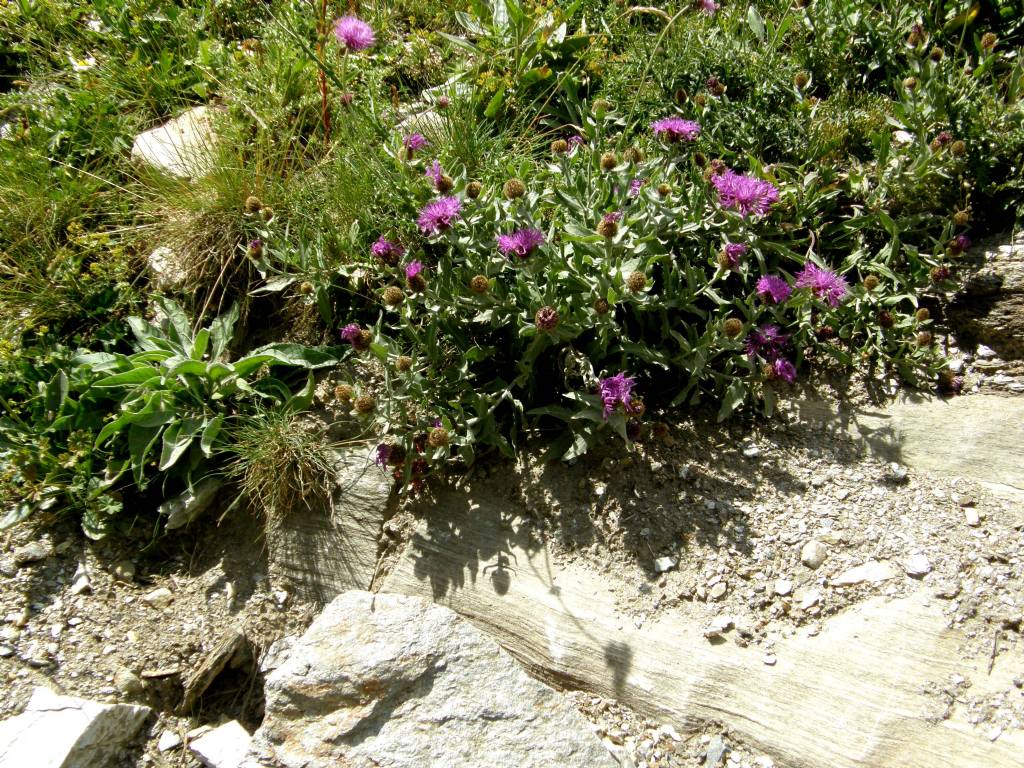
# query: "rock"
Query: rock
{"points": [[128, 682], [168, 740], [7, 567], [871, 571], [33, 552], [810, 599], [813, 554], [233, 641], [393, 680], [751, 451], [971, 517], [716, 752], [223, 747], [764, 761], [166, 269], [718, 591], [917, 566], [159, 598], [770, 659], [989, 309], [63, 732], [321, 556], [663, 564], [783, 587], [947, 590], [182, 147], [124, 570], [895, 474], [719, 626], [80, 581]]}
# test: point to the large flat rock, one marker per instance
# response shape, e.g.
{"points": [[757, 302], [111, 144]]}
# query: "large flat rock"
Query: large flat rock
{"points": [[183, 146], [980, 437], [389, 680], [854, 696]]}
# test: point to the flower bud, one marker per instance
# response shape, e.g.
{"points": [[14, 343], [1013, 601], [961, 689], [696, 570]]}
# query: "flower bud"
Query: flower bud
{"points": [[514, 189], [343, 393], [988, 41], [636, 282], [559, 146], [801, 79], [936, 54], [910, 83], [403, 363], [479, 284], [886, 319], [664, 189], [393, 295], [608, 161], [438, 437], [633, 155], [601, 306], [306, 288], [922, 315], [924, 338], [870, 283], [473, 190], [546, 318], [733, 327], [253, 204], [365, 404]]}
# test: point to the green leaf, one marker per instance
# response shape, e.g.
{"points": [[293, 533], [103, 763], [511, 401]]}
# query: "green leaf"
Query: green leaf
{"points": [[177, 438], [200, 344], [221, 331], [756, 23], [494, 105], [136, 376], [210, 432], [140, 442], [733, 398]]}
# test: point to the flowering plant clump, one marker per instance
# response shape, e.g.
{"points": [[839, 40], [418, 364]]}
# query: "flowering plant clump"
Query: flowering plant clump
{"points": [[353, 33], [692, 277]]}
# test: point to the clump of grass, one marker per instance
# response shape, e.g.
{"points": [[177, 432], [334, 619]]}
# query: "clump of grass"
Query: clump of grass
{"points": [[282, 463]]}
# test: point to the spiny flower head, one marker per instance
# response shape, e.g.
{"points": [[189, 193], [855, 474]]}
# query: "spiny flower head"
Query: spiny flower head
{"points": [[351, 332], [514, 188], [393, 296], [616, 390], [733, 327], [473, 190], [383, 454], [365, 404], [766, 341], [413, 269], [635, 186], [479, 284], [403, 363], [772, 288], [353, 33], [522, 242], [824, 283], [744, 193], [708, 6], [434, 173], [387, 251], [636, 282], [959, 244], [546, 318], [438, 437], [414, 142], [674, 129], [732, 252], [439, 215]]}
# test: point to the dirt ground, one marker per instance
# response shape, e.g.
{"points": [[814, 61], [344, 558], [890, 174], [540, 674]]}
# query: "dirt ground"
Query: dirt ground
{"points": [[709, 521]]}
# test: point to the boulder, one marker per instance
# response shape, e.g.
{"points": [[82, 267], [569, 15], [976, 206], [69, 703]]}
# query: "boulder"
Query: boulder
{"points": [[182, 147], [223, 747], [989, 309], [58, 731], [391, 680]]}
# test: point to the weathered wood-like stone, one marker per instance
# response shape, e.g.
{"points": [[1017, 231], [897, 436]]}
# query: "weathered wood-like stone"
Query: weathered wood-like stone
{"points": [[980, 437], [850, 697], [183, 146], [323, 552]]}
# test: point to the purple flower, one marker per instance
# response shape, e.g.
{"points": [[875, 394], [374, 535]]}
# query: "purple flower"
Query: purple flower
{"points": [[708, 6], [944, 138], [766, 341], [784, 370], [414, 141], [614, 390], [963, 242], [824, 283], [522, 242], [733, 251], [386, 250], [612, 218], [635, 186], [575, 141], [674, 129], [355, 34], [439, 215], [350, 332], [412, 269], [773, 288], [435, 173], [383, 455], [744, 193]]}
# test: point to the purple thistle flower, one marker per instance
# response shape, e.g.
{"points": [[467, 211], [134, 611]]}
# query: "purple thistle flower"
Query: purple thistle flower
{"points": [[673, 129], [614, 390], [386, 250], [522, 242], [412, 269], [824, 283], [708, 6], [733, 251], [773, 288], [784, 370], [435, 173], [439, 215], [635, 186], [383, 455], [744, 193], [766, 341], [415, 141], [963, 242], [350, 332], [612, 218], [575, 141], [355, 34]]}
